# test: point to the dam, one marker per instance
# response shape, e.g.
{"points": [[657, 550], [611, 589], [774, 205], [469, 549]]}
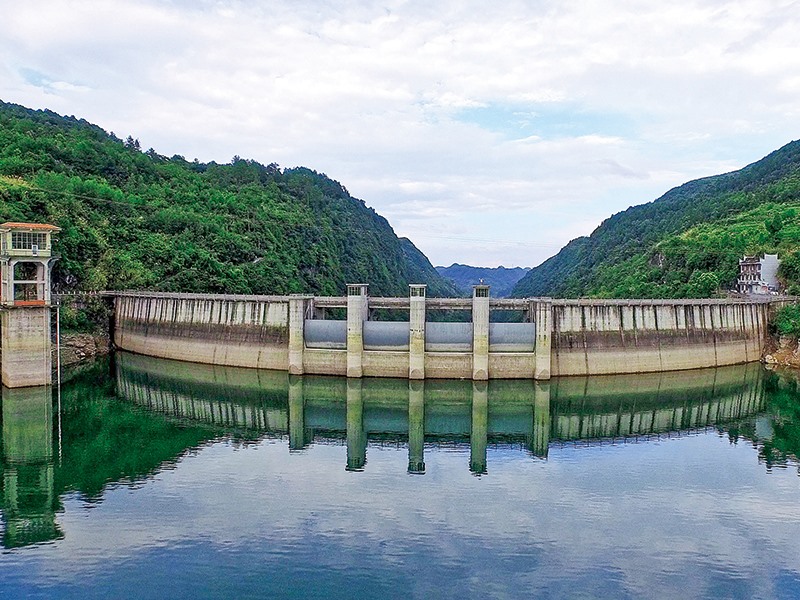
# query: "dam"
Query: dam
{"points": [[413, 337], [417, 337]]}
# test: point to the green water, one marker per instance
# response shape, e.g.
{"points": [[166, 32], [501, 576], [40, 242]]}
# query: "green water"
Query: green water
{"points": [[161, 479]]}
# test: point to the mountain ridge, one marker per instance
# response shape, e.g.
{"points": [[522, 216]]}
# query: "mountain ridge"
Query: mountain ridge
{"points": [[500, 279], [140, 220], [586, 264]]}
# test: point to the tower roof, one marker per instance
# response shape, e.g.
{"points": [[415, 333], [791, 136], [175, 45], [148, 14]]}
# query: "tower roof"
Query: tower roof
{"points": [[37, 226]]}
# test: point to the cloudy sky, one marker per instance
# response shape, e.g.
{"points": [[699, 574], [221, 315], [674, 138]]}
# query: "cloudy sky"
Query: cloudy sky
{"points": [[488, 132]]}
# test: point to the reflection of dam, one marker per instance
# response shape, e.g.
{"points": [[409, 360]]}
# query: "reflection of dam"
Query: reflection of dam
{"points": [[514, 412]]}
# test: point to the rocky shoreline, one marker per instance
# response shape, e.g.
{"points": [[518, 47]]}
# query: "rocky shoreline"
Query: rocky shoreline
{"points": [[782, 351], [80, 347]]}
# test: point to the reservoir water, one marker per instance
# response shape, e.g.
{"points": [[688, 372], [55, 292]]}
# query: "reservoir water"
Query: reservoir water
{"points": [[145, 478]]}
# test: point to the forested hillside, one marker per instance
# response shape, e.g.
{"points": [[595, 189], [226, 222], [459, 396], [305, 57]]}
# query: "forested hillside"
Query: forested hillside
{"points": [[134, 219], [501, 279], [688, 242]]}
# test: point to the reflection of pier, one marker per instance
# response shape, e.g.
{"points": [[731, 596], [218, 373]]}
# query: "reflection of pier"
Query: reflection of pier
{"points": [[356, 436], [477, 414], [29, 501], [416, 427]]}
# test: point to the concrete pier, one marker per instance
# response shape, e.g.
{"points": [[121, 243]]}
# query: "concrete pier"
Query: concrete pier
{"points": [[480, 332], [542, 310], [357, 313], [26, 346], [416, 332], [416, 427], [297, 315]]}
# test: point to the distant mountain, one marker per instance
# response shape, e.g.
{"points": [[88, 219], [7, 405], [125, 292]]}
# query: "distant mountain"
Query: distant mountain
{"points": [[500, 279], [438, 285], [688, 242], [140, 220]]}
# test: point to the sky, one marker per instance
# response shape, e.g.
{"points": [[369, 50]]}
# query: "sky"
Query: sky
{"points": [[489, 133]]}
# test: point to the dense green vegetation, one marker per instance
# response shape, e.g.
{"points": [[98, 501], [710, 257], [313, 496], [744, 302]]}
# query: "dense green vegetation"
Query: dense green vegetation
{"points": [[704, 260], [134, 220], [787, 320], [688, 242], [501, 279]]}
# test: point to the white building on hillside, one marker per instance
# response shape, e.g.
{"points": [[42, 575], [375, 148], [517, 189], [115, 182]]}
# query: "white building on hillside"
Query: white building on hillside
{"points": [[758, 275]]}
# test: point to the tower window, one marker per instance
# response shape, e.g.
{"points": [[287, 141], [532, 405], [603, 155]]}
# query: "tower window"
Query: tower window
{"points": [[27, 240]]}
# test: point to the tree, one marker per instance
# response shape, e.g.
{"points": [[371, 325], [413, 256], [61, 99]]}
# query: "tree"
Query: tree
{"points": [[702, 284]]}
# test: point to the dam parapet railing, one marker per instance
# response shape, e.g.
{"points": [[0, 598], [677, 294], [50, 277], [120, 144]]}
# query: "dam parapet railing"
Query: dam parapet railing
{"points": [[352, 336]]}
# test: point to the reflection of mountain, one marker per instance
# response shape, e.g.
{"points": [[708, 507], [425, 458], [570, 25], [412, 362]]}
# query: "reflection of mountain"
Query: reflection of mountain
{"points": [[502, 412], [101, 441], [105, 441], [778, 434]]}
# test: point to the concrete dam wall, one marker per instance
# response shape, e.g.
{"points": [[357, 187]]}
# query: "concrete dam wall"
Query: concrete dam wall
{"points": [[619, 336], [215, 330], [556, 338]]}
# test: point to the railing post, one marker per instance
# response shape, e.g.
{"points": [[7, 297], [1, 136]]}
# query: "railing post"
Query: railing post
{"points": [[480, 332], [357, 313], [543, 318], [416, 332]]}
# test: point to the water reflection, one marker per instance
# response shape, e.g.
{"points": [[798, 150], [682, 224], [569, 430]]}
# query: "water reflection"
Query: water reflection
{"points": [[416, 427], [778, 431], [29, 499], [169, 408], [479, 432], [356, 436], [103, 441], [524, 414], [210, 482]]}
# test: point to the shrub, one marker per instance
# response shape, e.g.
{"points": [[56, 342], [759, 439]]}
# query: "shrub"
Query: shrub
{"points": [[787, 320]]}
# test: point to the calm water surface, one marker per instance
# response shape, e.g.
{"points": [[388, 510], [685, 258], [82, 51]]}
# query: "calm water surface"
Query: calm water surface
{"points": [[162, 479]]}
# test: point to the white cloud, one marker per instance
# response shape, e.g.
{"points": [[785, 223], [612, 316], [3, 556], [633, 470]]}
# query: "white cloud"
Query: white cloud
{"points": [[608, 106], [697, 524]]}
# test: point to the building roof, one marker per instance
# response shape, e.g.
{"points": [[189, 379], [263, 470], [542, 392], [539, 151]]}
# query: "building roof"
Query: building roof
{"points": [[37, 226]]}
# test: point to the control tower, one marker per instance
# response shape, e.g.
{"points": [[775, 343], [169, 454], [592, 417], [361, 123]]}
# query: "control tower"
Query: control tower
{"points": [[26, 261]]}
